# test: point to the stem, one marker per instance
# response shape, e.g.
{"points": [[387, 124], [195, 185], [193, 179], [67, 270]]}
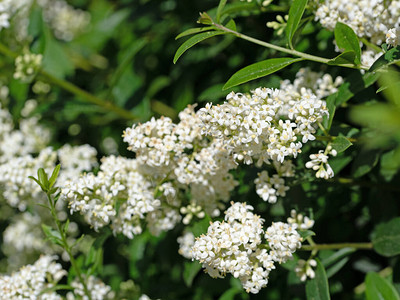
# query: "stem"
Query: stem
{"points": [[66, 246], [87, 96], [285, 50], [331, 138], [318, 247], [368, 184], [75, 89]]}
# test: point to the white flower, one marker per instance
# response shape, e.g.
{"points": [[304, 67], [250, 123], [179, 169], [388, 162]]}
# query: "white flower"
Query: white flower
{"points": [[392, 37], [304, 269]]}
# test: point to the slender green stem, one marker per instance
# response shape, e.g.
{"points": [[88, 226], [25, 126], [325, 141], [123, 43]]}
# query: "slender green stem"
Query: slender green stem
{"points": [[285, 50], [87, 96], [66, 246], [75, 89], [368, 184], [331, 138], [364, 246]]}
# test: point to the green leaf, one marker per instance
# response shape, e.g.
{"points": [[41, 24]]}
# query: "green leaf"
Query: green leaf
{"points": [[230, 294], [306, 233], [221, 6], [365, 162], [340, 144], [43, 180], [295, 13], [52, 235], [347, 57], [190, 271], [336, 267], [191, 31], [54, 176], [317, 288], [346, 39], [391, 80], [337, 256], [378, 288], [386, 238], [258, 70], [193, 41], [387, 58]]}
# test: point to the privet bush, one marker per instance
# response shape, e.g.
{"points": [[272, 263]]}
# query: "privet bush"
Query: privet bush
{"points": [[267, 156]]}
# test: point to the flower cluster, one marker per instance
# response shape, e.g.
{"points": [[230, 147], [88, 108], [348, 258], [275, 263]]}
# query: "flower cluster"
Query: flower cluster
{"points": [[304, 269], [265, 125], [319, 163], [27, 66], [98, 290], [303, 222], [186, 242], [31, 281], [170, 159], [236, 246], [66, 21], [393, 36], [369, 19]]}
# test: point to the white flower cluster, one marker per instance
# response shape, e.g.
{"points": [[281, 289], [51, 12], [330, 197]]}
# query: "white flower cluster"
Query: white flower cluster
{"points": [[393, 36], [269, 188], [236, 246], [31, 281], [170, 160], [66, 21], [319, 163], [98, 290], [369, 19], [268, 123], [27, 65], [304, 269], [29, 138], [186, 242], [302, 221]]}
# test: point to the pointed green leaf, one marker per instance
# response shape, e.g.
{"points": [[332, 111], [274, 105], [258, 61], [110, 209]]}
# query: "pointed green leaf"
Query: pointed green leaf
{"points": [[191, 31], [43, 180], [344, 58], [317, 288], [346, 39], [306, 233], [258, 70], [340, 144], [190, 271], [337, 256], [52, 235], [54, 176], [387, 58], [386, 238], [336, 267], [221, 6], [193, 41], [378, 288], [295, 13]]}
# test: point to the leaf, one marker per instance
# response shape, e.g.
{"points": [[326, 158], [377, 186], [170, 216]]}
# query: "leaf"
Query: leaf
{"points": [[386, 238], [337, 256], [260, 69], [54, 176], [193, 41], [295, 13], [191, 31], [365, 162], [230, 294], [317, 288], [190, 271], [221, 6], [378, 288], [387, 58], [43, 180], [340, 144], [346, 39], [306, 233], [336, 267], [52, 235], [347, 57]]}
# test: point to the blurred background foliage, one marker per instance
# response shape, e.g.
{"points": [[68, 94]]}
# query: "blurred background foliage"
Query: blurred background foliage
{"points": [[125, 56]]}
